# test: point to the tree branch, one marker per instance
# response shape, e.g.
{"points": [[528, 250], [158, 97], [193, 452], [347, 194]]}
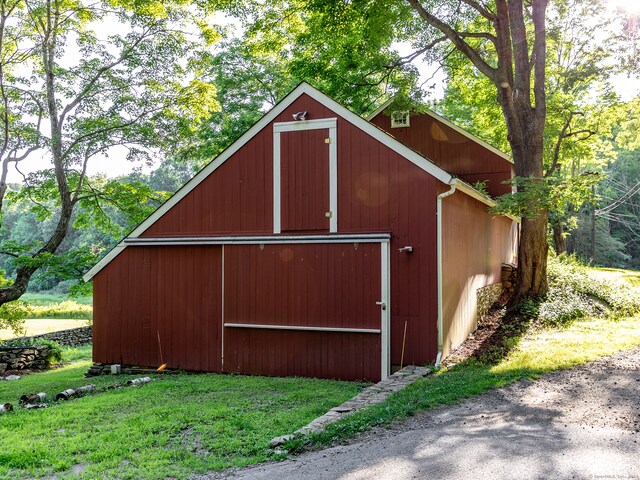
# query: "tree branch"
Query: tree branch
{"points": [[456, 39], [481, 9]]}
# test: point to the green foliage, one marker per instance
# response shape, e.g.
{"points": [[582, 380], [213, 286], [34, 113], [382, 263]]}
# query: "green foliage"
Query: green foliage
{"points": [[575, 292], [552, 194], [139, 88], [55, 354], [12, 315]]}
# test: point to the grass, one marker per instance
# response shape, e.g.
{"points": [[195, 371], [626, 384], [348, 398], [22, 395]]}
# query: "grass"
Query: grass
{"points": [[68, 309], [175, 426], [42, 299], [57, 306]]}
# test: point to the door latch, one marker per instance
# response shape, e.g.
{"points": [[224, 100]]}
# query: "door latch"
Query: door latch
{"points": [[382, 304]]}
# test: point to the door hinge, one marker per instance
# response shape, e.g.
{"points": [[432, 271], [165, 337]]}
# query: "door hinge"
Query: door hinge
{"points": [[328, 214], [327, 140]]}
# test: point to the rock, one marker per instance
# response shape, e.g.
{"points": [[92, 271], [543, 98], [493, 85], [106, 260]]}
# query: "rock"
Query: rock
{"points": [[276, 442], [341, 409], [12, 377]]}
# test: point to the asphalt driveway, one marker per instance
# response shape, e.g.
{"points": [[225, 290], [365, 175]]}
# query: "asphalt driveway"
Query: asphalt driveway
{"points": [[581, 424]]}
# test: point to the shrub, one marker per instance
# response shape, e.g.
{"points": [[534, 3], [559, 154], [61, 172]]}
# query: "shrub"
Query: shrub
{"points": [[55, 350], [574, 293]]}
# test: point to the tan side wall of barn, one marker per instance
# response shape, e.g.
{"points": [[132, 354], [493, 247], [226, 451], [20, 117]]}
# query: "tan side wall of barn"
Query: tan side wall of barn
{"points": [[475, 244]]}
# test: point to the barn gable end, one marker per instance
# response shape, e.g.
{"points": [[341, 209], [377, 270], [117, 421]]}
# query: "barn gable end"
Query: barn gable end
{"points": [[452, 148]]}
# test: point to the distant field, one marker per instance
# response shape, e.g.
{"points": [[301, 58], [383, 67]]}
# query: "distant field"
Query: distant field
{"points": [[630, 276], [52, 298], [37, 326], [53, 312]]}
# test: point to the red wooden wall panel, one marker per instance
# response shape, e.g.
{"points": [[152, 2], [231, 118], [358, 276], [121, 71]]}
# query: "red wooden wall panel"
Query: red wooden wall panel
{"points": [[452, 151], [380, 191], [314, 285], [171, 291], [307, 285], [347, 356], [304, 164]]}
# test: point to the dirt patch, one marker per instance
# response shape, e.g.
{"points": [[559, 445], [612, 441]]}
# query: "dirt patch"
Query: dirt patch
{"points": [[495, 336]]}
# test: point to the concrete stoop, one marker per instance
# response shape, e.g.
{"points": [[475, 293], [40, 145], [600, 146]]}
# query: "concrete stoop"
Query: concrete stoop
{"points": [[377, 393]]}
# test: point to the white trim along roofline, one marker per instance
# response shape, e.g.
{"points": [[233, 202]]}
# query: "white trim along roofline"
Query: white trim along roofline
{"points": [[449, 124], [304, 88]]}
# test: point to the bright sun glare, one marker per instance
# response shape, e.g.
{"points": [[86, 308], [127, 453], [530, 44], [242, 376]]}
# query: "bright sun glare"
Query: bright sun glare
{"points": [[630, 6]]}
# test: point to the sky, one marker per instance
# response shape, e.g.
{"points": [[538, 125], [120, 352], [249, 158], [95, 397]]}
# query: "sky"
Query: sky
{"points": [[115, 164]]}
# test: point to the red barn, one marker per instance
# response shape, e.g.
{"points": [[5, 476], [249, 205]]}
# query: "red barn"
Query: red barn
{"points": [[319, 244]]}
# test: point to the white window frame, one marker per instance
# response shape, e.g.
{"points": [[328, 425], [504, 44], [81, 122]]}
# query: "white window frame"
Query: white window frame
{"points": [[400, 118], [320, 124]]}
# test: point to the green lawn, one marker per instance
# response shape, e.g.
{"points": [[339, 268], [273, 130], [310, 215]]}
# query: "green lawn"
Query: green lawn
{"points": [[173, 427]]}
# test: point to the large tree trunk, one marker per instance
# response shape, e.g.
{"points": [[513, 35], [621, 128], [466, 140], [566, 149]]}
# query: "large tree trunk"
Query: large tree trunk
{"points": [[531, 280], [24, 274]]}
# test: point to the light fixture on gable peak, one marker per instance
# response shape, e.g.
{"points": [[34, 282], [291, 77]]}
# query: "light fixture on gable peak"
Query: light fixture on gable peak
{"points": [[300, 116]]}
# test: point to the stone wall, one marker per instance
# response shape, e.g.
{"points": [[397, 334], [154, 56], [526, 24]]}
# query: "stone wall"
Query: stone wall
{"points": [[509, 273], [21, 358], [487, 296], [69, 338]]}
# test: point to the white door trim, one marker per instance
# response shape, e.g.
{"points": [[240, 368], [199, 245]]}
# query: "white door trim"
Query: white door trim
{"points": [[320, 124], [385, 310]]}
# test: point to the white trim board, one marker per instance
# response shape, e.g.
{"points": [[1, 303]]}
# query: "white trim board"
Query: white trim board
{"points": [[261, 240], [449, 124], [385, 313], [302, 327]]}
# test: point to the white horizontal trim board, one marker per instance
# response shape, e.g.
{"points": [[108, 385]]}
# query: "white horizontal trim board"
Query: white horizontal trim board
{"points": [[303, 328], [305, 125], [279, 239]]}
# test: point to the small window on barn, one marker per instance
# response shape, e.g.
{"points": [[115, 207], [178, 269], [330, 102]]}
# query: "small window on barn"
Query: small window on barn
{"points": [[400, 118]]}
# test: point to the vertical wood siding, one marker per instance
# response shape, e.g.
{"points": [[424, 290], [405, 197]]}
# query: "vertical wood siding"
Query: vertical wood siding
{"points": [[303, 285], [304, 164], [173, 291], [378, 191], [452, 151], [475, 244]]}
